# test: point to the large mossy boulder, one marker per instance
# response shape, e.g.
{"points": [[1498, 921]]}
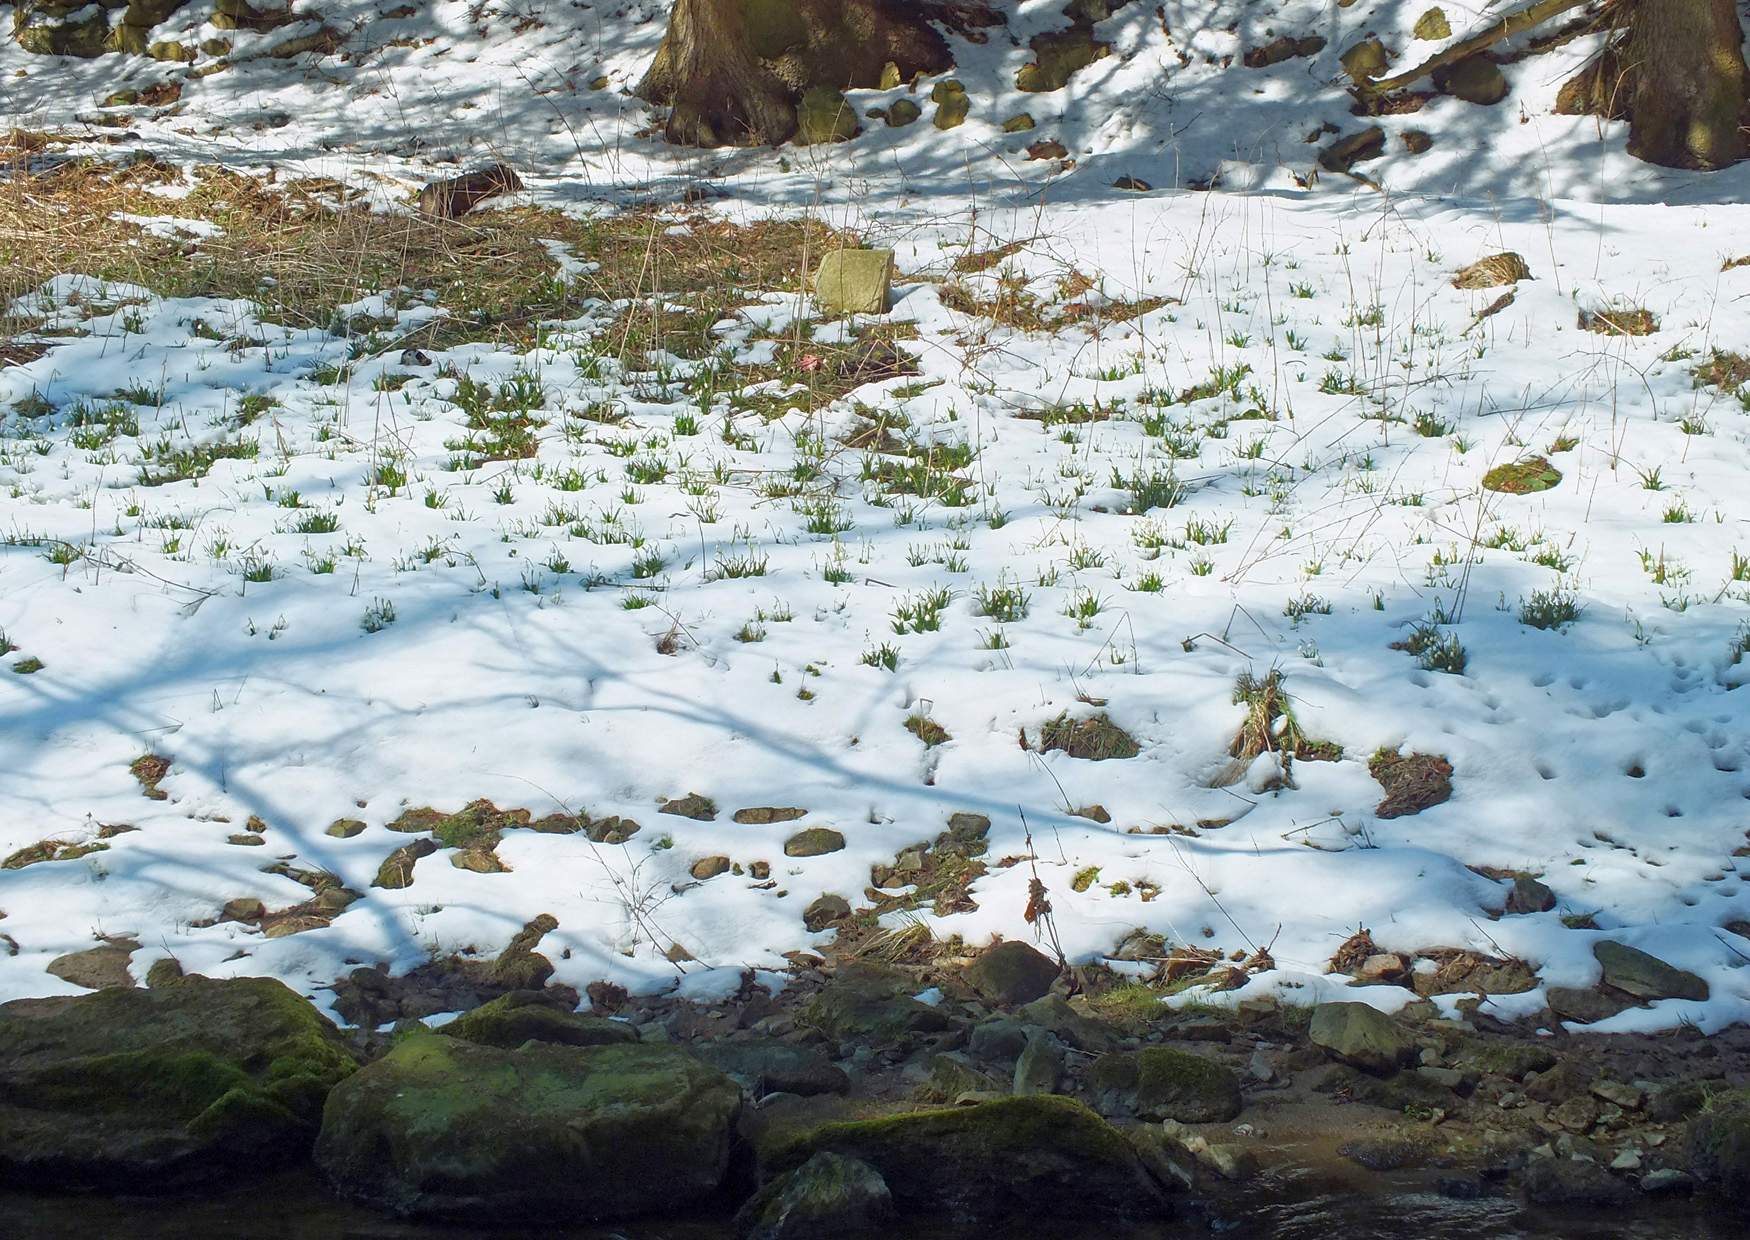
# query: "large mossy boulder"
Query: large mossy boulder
{"points": [[1159, 1083], [444, 1128], [146, 1090], [1013, 1158]]}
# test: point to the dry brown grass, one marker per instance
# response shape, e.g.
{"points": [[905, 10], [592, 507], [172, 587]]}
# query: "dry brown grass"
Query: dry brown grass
{"points": [[1628, 321], [1412, 781], [1492, 272], [300, 249]]}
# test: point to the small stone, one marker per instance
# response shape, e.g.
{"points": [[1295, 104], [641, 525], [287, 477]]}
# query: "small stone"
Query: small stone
{"points": [[1356, 148], [1260, 1068], [1628, 1160], [1475, 79], [814, 842], [1234, 1163], [1530, 896], [1584, 1007], [763, 815], [952, 105], [699, 808], [1577, 1115], [710, 867], [1048, 148], [902, 112], [827, 911], [1446, 1078], [1416, 141], [1667, 1180], [345, 828], [1625, 1096], [243, 909], [1019, 123], [1134, 184], [855, 282]]}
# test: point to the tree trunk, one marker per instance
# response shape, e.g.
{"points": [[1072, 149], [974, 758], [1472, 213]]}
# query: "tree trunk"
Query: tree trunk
{"points": [[1686, 58], [732, 71]]}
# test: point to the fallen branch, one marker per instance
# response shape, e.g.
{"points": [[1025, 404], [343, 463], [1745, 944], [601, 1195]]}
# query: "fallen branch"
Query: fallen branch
{"points": [[1506, 28]]}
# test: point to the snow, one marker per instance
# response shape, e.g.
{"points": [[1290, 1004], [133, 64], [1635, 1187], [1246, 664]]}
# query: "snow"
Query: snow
{"points": [[1608, 755]]}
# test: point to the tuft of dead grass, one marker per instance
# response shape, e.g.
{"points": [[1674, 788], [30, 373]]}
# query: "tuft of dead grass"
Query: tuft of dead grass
{"points": [[1492, 272], [299, 249], [1627, 321], [1412, 781], [1095, 738]]}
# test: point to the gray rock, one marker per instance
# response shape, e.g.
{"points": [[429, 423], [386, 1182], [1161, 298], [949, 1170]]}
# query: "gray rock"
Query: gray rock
{"points": [[536, 1016], [814, 842], [771, 1065], [1667, 1180], [826, 1197], [1360, 1036], [1475, 79], [825, 912], [1011, 1158], [999, 1038], [1584, 1007], [1040, 1067], [1572, 1182], [1084, 1033], [97, 968], [872, 1004], [1530, 896], [1634, 972], [1011, 973], [445, 1128]]}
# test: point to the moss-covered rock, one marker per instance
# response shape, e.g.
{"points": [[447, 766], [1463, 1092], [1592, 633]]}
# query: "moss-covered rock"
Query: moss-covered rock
{"points": [[823, 115], [952, 104], [42, 30], [773, 1066], [827, 1196], [533, 1016], [866, 1002], [1059, 55], [1038, 1157], [1361, 1036], [442, 1127], [1159, 1083], [145, 1090]]}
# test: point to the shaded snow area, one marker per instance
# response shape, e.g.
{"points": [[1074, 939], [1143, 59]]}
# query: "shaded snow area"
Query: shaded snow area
{"points": [[1119, 455]]}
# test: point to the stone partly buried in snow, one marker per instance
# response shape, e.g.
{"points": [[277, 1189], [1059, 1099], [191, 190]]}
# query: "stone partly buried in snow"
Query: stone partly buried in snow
{"points": [[1634, 972], [855, 282], [1475, 79], [1012, 973], [827, 1196], [814, 842], [444, 1128], [148, 1090], [1159, 1083], [1345, 153], [1020, 1158], [1361, 1036]]}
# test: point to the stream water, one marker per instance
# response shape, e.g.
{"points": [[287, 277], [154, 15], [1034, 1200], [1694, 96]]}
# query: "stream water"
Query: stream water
{"points": [[296, 1207]]}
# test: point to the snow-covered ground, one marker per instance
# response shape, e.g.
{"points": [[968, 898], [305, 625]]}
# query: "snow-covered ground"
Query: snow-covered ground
{"points": [[342, 619]]}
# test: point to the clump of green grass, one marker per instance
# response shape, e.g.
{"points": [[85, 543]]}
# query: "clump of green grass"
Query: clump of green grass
{"points": [[1549, 609], [1523, 477], [1004, 603], [1436, 650]]}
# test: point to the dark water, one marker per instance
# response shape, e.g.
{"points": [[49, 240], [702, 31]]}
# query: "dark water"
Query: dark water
{"points": [[295, 1207]]}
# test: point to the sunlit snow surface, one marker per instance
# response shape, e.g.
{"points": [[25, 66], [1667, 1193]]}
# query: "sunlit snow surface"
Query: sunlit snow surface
{"points": [[1608, 756]]}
